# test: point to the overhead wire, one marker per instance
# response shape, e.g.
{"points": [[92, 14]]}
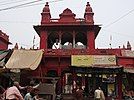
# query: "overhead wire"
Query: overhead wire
{"points": [[12, 7], [28, 4], [11, 2], [118, 19], [39, 3], [118, 33]]}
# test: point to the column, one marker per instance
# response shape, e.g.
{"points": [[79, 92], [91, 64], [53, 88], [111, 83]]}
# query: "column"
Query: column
{"points": [[119, 84], [90, 40], [60, 34], [43, 40], [73, 39], [74, 75]]}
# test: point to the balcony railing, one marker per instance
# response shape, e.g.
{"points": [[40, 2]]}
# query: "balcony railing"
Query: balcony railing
{"points": [[69, 52], [76, 20], [65, 52]]}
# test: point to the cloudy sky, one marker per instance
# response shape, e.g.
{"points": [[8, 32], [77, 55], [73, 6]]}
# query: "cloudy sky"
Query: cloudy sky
{"points": [[116, 18]]}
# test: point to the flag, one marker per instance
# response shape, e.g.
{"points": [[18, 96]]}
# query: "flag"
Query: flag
{"points": [[110, 37]]}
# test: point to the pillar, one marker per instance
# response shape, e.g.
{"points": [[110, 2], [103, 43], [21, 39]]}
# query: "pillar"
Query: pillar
{"points": [[119, 85], [60, 36], [43, 40], [73, 39], [74, 76], [90, 40], [83, 80]]}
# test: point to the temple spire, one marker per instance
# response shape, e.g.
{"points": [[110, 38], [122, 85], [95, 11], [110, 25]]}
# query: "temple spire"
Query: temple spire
{"points": [[128, 45], [16, 46], [89, 14], [46, 16]]}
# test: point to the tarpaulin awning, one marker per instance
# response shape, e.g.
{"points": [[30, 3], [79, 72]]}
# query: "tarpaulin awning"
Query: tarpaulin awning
{"points": [[129, 70], [3, 54], [24, 59]]}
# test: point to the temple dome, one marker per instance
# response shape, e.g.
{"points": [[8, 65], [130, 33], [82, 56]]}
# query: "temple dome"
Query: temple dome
{"points": [[67, 16]]}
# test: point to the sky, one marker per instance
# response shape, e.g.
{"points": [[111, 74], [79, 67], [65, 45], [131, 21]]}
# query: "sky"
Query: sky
{"points": [[116, 18]]}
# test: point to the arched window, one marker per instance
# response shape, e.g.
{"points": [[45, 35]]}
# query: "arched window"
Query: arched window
{"points": [[67, 40], [52, 39], [80, 40]]}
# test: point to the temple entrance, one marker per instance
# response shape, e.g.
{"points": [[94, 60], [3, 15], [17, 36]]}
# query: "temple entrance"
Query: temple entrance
{"points": [[89, 82]]}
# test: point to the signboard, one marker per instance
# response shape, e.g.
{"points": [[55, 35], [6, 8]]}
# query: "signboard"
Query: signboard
{"points": [[81, 60], [104, 60], [89, 60]]}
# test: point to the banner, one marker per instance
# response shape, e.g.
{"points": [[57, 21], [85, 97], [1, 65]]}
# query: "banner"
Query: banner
{"points": [[81, 60], [104, 60], [89, 60]]}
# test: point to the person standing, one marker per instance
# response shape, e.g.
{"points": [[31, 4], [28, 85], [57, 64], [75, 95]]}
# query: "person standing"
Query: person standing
{"points": [[29, 95], [13, 93], [56, 45], [79, 93], [98, 94]]}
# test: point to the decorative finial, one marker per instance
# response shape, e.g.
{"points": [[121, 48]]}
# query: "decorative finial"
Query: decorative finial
{"points": [[16, 46], [46, 3], [128, 45]]}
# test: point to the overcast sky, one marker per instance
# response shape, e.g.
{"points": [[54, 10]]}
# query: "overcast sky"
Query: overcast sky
{"points": [[115, 16]]}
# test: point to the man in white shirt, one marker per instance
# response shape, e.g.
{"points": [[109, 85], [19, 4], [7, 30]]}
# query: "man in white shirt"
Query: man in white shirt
{"points": [[56, 45], [98, 94]]}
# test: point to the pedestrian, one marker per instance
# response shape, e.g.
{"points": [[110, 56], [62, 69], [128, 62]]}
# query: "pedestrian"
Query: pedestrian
{"points": [[56, 45], [32, 83], [13, 93], [79, 93], [36, 94], [29, 95], [99, 94]]}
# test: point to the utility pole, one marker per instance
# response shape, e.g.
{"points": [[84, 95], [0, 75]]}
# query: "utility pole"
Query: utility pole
{"points": [[33, 41]]}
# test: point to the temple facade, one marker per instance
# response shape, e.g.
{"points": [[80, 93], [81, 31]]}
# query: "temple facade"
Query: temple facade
{"points": [[70, 54]]}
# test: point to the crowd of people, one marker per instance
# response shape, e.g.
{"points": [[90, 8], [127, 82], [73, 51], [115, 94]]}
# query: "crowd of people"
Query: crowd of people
{"points": [[16, 92], [97, 94]]}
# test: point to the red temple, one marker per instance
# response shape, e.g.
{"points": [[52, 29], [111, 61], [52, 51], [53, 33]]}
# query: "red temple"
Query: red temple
{"points": [[4, 41], [74, 58]]}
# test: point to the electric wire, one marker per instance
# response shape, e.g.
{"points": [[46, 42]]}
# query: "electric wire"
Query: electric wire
{"points": [[27, 4], [39, 3], [119, 18], [12, 2], [20, 5], [118, 33]]}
